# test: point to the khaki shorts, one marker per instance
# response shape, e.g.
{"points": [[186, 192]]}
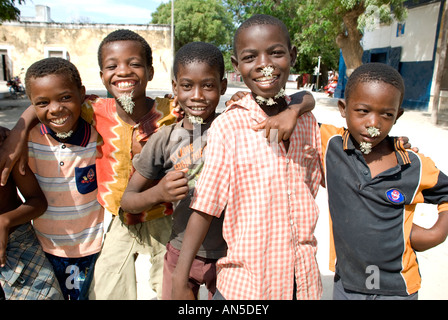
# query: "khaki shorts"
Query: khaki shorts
{"points": [[114, 276]]}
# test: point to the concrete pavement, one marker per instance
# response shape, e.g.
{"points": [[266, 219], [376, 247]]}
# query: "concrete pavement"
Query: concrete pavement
{"points": [[430, 139]]}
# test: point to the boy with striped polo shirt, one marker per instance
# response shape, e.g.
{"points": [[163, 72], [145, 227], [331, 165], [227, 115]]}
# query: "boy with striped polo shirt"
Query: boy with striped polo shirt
{"points": [[124, 123], [62, 154]]}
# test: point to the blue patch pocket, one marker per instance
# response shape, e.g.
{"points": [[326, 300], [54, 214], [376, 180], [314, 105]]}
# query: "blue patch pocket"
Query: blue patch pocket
{"points": [[86, 179]]}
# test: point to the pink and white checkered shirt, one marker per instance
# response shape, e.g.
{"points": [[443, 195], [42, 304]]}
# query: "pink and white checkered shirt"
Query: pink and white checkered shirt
{"points": [[268, 197]]}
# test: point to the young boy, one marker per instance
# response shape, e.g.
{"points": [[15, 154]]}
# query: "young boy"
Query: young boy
{"points": [[25, 272], [373, 187], [267, 189], [62, 154], [198, 83], [125, 123]]}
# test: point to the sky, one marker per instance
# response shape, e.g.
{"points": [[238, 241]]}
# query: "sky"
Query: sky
{"points": [[95, 11]]}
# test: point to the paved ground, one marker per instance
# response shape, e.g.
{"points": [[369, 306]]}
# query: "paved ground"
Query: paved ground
{"points": [[416, 125]]}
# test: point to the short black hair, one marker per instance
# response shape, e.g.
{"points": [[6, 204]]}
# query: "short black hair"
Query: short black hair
{"points": [[199, 52], [375, 72], [125, 35], [261, 19], [49, 66]]}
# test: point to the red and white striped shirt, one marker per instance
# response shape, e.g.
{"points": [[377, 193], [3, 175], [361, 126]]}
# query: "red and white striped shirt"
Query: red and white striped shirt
{"points": [[268, 196]]}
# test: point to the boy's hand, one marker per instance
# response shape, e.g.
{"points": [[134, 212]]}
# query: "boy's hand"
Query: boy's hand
{"points": [[285, 122], [174, 186], [237, 96], [177, 110], [281, 125], [12, 150], [407, 144]]}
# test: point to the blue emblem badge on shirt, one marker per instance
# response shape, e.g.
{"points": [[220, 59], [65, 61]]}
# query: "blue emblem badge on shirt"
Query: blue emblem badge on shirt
{"points": [[395, 196], [86, 179]]}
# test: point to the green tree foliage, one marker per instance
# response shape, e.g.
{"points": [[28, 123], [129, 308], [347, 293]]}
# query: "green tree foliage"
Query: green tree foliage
{"points": [[344, 21], [197, 20], [8, 10], [285, 10], [317, 27]]}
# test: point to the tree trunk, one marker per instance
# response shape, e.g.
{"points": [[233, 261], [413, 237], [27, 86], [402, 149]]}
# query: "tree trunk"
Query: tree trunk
{"points": [[440, 67], [349, 41]]}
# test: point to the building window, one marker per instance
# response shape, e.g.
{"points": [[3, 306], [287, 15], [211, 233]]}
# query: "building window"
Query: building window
{"points": [[56, 52], [5, 64]]}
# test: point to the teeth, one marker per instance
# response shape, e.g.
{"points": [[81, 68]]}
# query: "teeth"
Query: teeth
{"points": [[125, 85], [266, 80], [59, 121], [197, 109]]}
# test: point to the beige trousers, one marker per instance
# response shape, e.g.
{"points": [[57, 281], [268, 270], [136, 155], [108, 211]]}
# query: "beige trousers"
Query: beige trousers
{"points": [[114, 277]]}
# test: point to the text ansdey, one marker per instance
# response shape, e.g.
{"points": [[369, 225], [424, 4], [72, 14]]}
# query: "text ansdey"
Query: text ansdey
{"points": [[227, 309]]}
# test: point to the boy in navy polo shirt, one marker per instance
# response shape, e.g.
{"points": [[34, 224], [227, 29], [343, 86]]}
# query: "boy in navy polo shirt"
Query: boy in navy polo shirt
{"points": [[373, 187]]}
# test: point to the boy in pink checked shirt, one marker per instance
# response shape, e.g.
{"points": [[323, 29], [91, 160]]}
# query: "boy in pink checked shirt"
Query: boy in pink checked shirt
{"points": [[267, 188]]}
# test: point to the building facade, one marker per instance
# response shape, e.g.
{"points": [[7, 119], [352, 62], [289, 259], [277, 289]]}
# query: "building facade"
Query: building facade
{"points": [[411, 47], [29, 40]]}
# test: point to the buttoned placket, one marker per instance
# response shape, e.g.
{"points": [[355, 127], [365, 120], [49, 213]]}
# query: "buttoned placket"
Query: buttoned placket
{"points": [[288, 164], [60, 156], [364, 174]]}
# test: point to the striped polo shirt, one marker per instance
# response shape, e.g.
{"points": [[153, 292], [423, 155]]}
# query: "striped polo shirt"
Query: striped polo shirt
{"points": [[372, 218], [72, 226]]}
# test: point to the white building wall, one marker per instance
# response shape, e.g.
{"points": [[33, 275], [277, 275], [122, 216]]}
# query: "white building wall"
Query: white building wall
{"points": [[417, 42]]}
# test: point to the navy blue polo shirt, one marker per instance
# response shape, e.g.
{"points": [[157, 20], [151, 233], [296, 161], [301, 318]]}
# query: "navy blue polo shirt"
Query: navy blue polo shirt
{"points": [[372, 217]]}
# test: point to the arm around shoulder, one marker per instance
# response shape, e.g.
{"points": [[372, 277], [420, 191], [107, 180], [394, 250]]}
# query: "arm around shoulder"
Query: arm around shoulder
{"points": [[302, 102], [35, 205], [14, 147], [284, 123]]}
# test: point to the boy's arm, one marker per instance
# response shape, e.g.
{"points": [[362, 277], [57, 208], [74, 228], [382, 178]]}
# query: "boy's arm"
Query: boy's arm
{"points": [[423, 239], [286, 121], [15, 146], [35, 204], [196, 230], [142, 194]]}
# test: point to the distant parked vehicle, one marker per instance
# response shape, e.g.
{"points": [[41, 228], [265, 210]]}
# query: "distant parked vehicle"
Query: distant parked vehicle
{"points": [[16, 88]]}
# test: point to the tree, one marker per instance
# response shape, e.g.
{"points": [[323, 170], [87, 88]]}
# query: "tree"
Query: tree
{"points": [[297, 24], [440, 68], [8, 10], [345, 21], [322, 27], [197, 20]]}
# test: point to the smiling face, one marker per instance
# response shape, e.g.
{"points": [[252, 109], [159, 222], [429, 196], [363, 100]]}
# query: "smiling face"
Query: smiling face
{"points": [[371, 105], [198, 87], [57, 101], [263, 58], [124, 69]]}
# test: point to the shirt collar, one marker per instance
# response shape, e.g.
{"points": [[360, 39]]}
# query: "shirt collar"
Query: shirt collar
{"points": [[248, 102], [400, 151], [80, 137]]}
